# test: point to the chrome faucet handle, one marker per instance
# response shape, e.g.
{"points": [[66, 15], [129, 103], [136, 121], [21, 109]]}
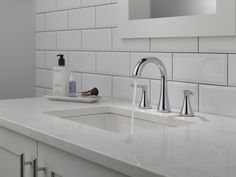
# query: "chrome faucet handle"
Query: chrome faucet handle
{"points": [[144, 102], [186, 110]]}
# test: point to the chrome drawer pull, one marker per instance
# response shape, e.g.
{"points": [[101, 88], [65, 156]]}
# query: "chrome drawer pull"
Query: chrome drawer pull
{"points": [[23, 163], [36, 169]]}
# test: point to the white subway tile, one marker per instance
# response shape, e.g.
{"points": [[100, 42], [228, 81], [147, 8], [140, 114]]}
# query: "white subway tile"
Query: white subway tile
{"points": [[201, 68], [82, 18], [98, 39], [40, 59], [151, 70], [48, 92], [94, 2], [44, 78], [218, 44], [122, 88], [120, 44], [40, 92], [52, 59], [174, 44], [40, 22], [175, 92], [46, 40], [69, 40], [45, 5], [56, 21], [82, 61], [67, 4], [114, 63], [106, 16], [103, 83], [232, 70], [218, 100]]}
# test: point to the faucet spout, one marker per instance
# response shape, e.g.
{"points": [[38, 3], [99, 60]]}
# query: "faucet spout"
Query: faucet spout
{"points": [[163, 105]]}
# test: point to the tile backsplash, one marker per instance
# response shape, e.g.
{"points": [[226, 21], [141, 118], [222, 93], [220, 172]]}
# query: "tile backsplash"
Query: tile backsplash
{"points": [[86, 32]]}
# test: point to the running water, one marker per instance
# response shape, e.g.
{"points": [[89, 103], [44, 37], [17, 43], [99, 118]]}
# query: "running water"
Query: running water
{"points": [[133, 107]]}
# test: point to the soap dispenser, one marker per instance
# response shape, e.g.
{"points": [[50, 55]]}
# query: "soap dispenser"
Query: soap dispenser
{"points": [[61, 74]]}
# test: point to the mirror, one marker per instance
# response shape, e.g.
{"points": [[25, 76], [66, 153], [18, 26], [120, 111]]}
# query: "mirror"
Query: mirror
{"points": [[146, 9], [176, 18]]}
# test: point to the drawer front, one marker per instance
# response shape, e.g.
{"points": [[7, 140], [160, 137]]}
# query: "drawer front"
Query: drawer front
{"points": [[12, 146], [17, 143], [64, 164]]}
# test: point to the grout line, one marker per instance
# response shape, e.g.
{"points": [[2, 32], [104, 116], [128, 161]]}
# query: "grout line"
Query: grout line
{"points": [[81, 86], [130, 69], [172, 65], [227, 69], [198, 97], [68, 20], [112, 47], [198, 45], [45, 60], [95, 16], [112, 94], [44, 28], [75, 29], [96, 62], [82, 7], [81, 42], [157, 52]]}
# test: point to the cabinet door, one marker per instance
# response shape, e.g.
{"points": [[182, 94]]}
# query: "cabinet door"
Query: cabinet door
{"points": [[10, 164], [63, 164], [12, 145]]}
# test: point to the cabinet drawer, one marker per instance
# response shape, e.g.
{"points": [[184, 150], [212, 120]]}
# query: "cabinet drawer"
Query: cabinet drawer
{"points": [[12, 148], [16, 143], [68, 165]]}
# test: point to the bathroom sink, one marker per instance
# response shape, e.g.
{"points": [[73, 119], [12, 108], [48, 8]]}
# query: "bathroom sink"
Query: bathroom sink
{"points": [[118, 120]]}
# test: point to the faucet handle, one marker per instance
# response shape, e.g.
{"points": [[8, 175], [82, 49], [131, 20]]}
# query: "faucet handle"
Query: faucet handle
{"points": [[188, 93], [186, 110], [144, 102]]}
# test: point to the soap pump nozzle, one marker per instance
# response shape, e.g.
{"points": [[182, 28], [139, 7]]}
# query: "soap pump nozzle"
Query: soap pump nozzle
{"points": [[61, 60]]}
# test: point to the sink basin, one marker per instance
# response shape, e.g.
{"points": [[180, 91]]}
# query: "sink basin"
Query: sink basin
{"points": [[118, 120]]}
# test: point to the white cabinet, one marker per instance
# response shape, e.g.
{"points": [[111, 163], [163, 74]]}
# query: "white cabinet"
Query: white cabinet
{"points": [[63, 164], [57, 163], [12, 148]]}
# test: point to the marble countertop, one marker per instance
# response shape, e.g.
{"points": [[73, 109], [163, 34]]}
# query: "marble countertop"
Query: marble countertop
{"points": [[206, 148]]}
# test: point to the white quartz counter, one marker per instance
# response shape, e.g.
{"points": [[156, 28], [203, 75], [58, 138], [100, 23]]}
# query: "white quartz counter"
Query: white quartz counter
{"points": [[203, 149]]}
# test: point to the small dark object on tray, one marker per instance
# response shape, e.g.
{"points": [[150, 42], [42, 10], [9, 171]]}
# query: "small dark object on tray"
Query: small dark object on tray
{"points": [[93, 92]]}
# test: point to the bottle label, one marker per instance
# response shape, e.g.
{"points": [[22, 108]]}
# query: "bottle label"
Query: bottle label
{"points": [[72, 89]]}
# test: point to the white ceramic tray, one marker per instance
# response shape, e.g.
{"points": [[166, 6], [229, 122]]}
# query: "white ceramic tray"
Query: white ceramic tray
{"points": [[79, 98]]}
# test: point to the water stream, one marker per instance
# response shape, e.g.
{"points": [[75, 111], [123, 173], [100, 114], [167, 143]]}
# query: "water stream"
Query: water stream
{"points": [[133, 106]]}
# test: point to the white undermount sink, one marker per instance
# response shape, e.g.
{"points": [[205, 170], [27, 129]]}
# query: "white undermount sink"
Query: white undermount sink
{"points": [[118, 120]]}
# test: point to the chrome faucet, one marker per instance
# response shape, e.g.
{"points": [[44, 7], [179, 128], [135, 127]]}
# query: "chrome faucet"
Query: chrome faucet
{"points": [[164, 105]]}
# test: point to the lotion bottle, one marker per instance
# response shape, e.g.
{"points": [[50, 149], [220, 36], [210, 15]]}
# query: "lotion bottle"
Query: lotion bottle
{"points": [[61, 74], [72, 86]]}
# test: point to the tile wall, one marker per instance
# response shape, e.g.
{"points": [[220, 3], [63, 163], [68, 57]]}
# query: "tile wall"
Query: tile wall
{"points": [[86, 32]]}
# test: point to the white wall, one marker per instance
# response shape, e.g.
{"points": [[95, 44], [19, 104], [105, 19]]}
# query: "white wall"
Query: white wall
{"points": [[17, 76], [85, 31]]}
